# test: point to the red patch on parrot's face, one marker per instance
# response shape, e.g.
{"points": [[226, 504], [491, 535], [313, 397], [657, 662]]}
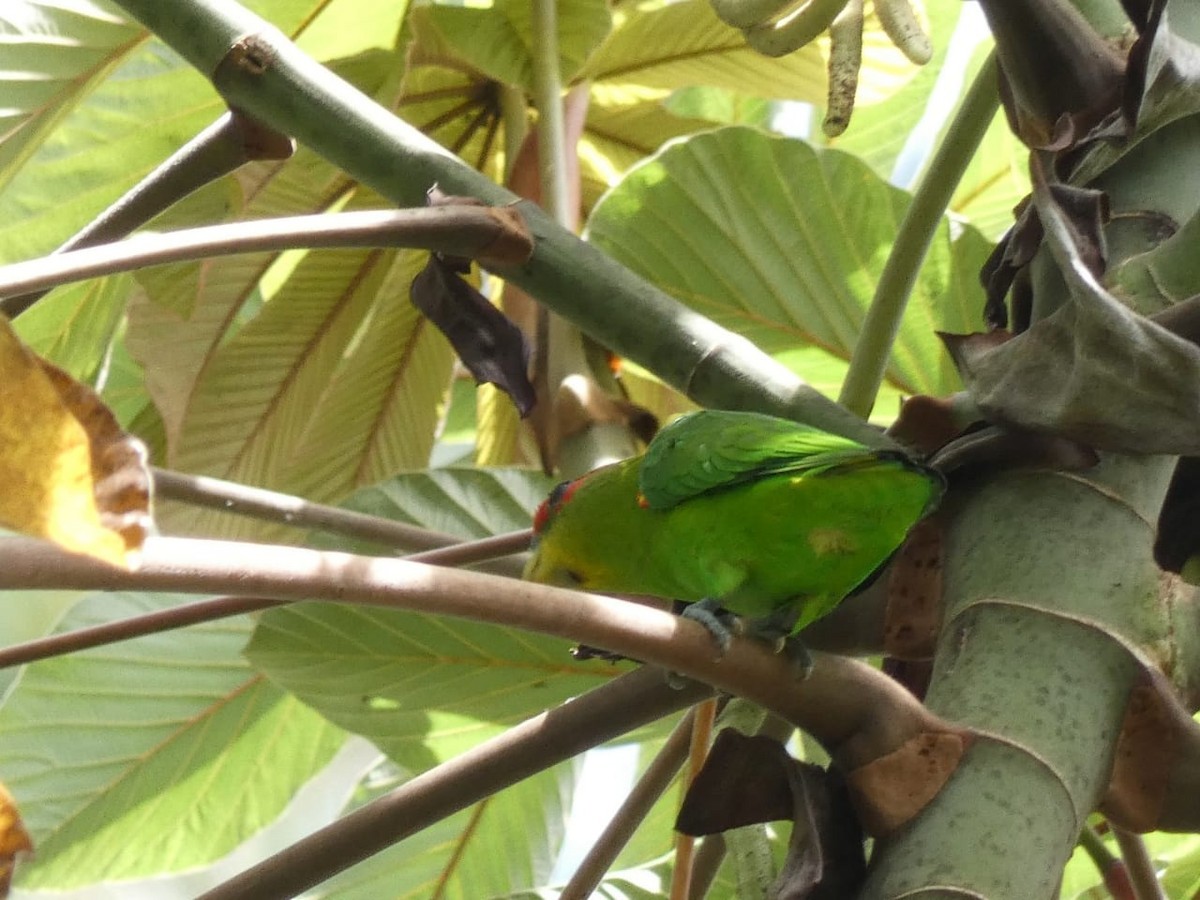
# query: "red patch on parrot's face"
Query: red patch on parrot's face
{"points": [[559, 497]]}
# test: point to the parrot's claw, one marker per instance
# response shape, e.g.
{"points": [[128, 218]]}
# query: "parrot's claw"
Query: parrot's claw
{"points": [[777, 631], [797, 654], [721, 625]]}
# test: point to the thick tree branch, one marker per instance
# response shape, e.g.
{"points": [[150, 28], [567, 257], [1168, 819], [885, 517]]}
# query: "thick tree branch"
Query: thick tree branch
{"points": [[857, 712]]}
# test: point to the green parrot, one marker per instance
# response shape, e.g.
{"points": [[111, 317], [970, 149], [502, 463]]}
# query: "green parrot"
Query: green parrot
{"points": [[761, 517]]}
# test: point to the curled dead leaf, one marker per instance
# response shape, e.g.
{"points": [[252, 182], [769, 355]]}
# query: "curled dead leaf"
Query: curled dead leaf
{"points": [[1145, 752], [1093, 371], [14, 839], [746, 780], [926, 424], [914, 608], [1060, 78], [489, 345], [71, 474], [1155, 780], [891, 790]]}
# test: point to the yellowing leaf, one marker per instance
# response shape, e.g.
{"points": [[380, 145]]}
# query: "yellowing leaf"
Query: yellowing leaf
{"points": [[14, 838], [70, 474]]}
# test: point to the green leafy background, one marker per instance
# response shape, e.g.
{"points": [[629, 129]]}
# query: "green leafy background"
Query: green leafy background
{"points": [[309, 372]]}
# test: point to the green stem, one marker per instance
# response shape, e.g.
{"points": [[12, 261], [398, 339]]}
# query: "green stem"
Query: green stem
{"points": [[564, 343], [547, 94], [929, 202], [257, 69]]}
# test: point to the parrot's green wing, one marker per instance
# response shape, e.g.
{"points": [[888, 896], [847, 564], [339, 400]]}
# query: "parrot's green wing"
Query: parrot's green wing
{"points": [[713, 449]]}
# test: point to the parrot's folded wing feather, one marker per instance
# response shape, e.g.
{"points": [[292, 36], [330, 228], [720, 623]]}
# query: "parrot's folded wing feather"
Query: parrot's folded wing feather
{"points": [[703, 452]]}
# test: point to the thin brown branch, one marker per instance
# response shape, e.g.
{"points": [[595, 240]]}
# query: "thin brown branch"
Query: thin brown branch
{"points": [[272, 506], [466, 553], [459, 229], [855, 711], [1139, 865], [616, 708], [223, 147], [685, 844], [706, 865], [132, 627], [224, 607], [656, 779]]}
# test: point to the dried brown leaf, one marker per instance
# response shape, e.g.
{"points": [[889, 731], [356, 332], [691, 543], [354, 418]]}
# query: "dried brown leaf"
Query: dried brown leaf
{"points": [[14, 839], [891, 790], [1094, 371], [914, 609], [71, 474], [489, 345]]}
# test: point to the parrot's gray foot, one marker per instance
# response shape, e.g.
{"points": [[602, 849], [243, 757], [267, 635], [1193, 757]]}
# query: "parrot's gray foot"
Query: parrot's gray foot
{"points": [[721, 625], [797, 654], [776, 630]]}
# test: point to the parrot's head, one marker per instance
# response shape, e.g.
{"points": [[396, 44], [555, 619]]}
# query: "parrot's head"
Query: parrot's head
{"points": [[549, 563]]}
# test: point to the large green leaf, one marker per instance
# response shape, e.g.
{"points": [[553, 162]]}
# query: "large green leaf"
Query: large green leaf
{"points": [[499, 40], [424, 688], [997, 178], [158, 755], [52, 54], [336, 383], [676, 45], [75, 326], [97, 105], [102, 143], [784, 244], [182, 314], [995, 181]]}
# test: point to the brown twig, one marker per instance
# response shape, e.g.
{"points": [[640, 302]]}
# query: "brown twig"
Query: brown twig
{"points": [[685, 844], [624, 823], [1139, 865], [459, 230], [613, 709], [130, 628], [273, 506], [229, 143], [224, 607]]}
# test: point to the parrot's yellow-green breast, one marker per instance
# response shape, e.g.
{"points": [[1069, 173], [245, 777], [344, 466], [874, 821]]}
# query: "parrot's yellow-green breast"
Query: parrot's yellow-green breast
{"points": [[759, 513]]}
